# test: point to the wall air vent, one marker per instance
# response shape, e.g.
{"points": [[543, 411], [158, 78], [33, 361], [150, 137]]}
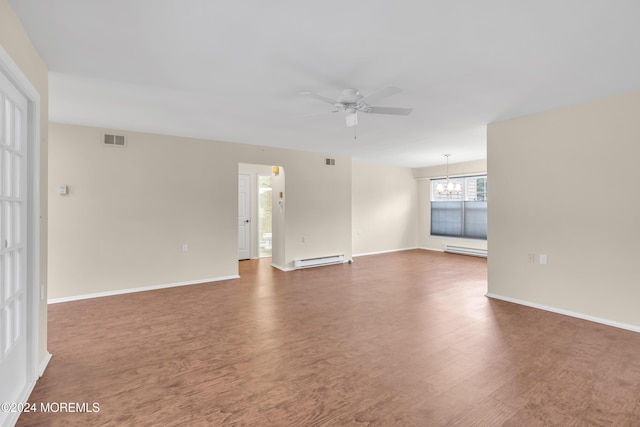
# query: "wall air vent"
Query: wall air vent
{"points": [[329, 162], [114, 140]]}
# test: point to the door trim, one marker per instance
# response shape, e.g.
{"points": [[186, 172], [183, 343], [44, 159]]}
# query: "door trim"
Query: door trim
{"points": [[15, 75]]}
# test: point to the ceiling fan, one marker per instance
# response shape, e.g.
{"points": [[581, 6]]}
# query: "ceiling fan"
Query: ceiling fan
{"points": [[352, 102]]}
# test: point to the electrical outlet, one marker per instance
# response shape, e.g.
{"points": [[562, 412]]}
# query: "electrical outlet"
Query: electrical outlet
{"points": [[304, 239], [532, 258], [185, 248], [543, 259]]}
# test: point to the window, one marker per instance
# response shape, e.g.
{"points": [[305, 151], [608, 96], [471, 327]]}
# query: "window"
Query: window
{"points": [[462, 214]]}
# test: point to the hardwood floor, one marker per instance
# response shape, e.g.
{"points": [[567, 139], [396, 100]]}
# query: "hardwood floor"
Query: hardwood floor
{"points": [[401, 339]]}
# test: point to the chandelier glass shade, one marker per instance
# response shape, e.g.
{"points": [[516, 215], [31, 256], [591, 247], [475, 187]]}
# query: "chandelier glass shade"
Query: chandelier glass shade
{"points": [[449, 188]]}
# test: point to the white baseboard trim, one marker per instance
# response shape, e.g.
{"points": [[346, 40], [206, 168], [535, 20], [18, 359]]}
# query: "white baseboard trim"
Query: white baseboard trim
{"points": [[44, 364], [424, 248], [281, 268], [582, 316], [23, 397], [141, 289], [384, 252]]}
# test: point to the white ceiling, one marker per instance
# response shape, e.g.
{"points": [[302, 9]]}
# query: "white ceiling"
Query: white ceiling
{"points": [[233, 71]]}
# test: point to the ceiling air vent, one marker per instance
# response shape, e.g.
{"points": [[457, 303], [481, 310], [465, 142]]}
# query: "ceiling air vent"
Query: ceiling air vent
{"points": [[114, 140], [329, 162]]}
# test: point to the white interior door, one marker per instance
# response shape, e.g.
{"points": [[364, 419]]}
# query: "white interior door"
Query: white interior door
{"points": [[244, 216], [13, 244]]}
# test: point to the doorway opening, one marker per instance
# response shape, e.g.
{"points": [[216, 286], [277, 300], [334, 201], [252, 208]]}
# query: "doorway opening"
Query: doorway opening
{"points": [[260, 212], [265, 216]]}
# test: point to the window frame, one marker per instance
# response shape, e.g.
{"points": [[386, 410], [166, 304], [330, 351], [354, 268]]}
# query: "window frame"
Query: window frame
{"points": [[463, 200]]}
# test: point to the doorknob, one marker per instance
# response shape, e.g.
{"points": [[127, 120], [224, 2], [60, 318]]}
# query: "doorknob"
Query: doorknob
{"points": [[247, 221]]}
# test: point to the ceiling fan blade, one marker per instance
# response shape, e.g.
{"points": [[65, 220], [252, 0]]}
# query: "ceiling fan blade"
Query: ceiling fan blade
{"points": [[319, 97], [352, 119], [389, 110], [382, 93]]}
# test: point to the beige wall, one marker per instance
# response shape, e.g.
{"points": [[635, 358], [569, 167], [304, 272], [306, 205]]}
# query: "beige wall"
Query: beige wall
{"points": [[562, 183], [385, 208], [129, 210], [16, 43], [424, 176]]}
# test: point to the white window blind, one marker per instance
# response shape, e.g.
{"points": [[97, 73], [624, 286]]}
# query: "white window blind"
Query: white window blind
{"points": [[462, 214]]}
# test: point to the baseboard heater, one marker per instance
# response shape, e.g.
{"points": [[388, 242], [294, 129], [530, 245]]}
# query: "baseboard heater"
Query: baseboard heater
{"points": [[316, 262], [465, 251]]}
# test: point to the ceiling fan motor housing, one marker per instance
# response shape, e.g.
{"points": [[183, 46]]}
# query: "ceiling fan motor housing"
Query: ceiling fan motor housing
{"points": [[349, 96]]}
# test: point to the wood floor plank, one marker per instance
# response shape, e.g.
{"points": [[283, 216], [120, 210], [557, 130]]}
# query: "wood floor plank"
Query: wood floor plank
{"points": [[404, 339]]}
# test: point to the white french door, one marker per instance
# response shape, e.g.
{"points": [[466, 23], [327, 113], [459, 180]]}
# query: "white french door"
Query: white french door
{"points": [[244, 216], [13, 244]]}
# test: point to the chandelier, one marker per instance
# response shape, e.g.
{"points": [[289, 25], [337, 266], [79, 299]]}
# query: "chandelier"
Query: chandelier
{"points": [[448, 188]]}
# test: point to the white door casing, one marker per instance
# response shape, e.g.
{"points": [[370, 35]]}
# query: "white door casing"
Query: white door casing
{"points": [[244, 216], [14, 245]]}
